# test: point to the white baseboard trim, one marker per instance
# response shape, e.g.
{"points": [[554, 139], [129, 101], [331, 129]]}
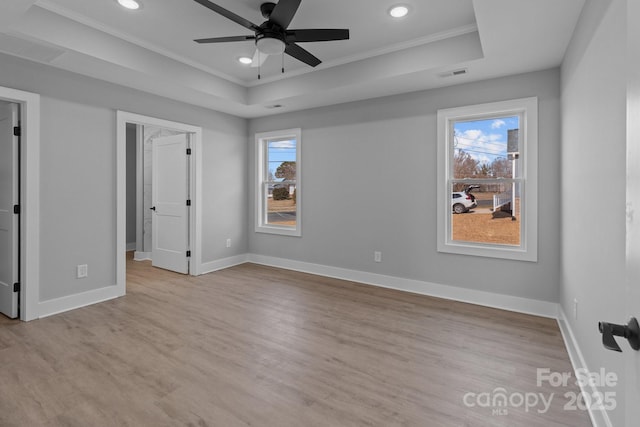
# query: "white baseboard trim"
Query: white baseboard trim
{"points": [[599, 417], [131, 246], [60, 305], [488, 299], [141, 256], [211, 266]]}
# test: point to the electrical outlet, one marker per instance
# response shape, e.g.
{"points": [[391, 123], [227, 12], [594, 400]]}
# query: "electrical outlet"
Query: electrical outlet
{"points": [[377, 256], [575, 308], [82, 271], [228, 243]]}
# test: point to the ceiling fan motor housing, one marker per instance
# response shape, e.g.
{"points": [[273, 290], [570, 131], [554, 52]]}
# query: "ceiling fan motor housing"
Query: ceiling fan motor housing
{"points": [[266, 9]]}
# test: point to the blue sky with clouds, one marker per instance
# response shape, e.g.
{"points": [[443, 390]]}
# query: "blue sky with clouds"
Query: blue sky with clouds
{"points": [[484, 140]]}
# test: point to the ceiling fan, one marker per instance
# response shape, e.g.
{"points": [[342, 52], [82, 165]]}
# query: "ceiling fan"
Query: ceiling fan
{"points": [[272, 37]]}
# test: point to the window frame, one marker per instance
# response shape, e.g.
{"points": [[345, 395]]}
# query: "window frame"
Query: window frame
{"points": [[261, 224], [528, 248]]}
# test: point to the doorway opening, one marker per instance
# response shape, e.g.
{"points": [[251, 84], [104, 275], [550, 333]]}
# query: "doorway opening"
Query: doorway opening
{"points": [[159, 196], [158, 193]]}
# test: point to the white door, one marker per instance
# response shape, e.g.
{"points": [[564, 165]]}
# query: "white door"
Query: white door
{"points": [[9, 226], [632, 291], [169, 195]]}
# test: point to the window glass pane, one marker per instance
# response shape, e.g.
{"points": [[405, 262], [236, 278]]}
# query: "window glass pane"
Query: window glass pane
{"points": [[487, 148], [281, 160], [487, 179], [281, 182], [486, 213], [281, 204]]}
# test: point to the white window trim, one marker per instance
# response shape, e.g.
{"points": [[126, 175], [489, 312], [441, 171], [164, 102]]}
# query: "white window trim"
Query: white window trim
{"points": [[528, 249], [261, 225]]}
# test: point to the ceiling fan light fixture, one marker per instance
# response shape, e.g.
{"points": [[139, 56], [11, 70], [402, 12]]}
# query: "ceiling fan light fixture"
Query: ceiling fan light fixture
{"points": [[130, 4], [273, 37], [270, 46], [245, 60], [399, 11]]}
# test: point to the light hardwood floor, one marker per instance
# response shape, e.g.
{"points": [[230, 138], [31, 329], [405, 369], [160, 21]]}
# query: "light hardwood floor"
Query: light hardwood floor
{"points": [[253, 345]]}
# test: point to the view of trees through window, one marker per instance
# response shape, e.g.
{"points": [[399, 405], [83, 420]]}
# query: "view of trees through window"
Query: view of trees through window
{"points": [[485, 180]]}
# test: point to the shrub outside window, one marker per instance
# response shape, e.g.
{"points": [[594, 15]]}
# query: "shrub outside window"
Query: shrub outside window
{"points": [[487, 179]]}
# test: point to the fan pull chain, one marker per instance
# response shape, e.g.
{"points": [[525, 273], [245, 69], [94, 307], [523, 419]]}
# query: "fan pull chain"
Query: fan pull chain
{"points": [[282, 62]]}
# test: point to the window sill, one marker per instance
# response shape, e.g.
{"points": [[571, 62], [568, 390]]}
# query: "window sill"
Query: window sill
{"points": [[283, 231]]}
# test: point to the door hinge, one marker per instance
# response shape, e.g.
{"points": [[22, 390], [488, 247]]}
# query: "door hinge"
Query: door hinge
{"points": [[188, 202], [16, 287], [16, 209], [188, 151], [17, 131], [188, 254]]}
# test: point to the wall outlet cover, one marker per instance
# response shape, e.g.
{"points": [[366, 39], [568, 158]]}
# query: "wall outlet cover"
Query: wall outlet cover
{"points": [[82, 271]]}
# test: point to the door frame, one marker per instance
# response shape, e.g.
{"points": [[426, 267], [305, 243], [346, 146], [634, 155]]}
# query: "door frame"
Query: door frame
{"points": [[631, 294], [195, 183], [29, 106]]}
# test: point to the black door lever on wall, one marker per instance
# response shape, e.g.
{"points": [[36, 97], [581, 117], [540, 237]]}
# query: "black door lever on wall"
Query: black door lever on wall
{"points": [[153, 208], [630, 331]]}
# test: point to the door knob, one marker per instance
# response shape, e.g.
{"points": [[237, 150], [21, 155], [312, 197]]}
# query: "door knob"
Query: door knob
{"points": [[153, 208], [630, 331]]}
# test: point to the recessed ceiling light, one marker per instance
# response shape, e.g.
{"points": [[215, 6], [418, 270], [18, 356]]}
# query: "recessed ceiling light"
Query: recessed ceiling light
{"points": [[399, 11], [130, 4], [245, 60]]}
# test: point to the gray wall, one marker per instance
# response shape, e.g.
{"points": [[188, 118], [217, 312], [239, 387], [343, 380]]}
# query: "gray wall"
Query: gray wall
{"points": [[131, 184], [78, 162], [369, 183], [593, 182]]}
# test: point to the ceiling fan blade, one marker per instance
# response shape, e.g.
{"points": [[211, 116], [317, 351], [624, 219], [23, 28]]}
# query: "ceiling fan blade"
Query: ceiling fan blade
{"points": [[225, 39], [228, 14], [283, 12], [258, 59], [317, 35], [301, 54]]}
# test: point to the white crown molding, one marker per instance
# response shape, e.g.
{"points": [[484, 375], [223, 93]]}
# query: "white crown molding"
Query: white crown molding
{"points": [[84, 20]]}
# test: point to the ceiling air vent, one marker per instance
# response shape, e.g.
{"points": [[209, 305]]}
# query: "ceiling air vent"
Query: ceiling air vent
{"points": [[460, 72]]}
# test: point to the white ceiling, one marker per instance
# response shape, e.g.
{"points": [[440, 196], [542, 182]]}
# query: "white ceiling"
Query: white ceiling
{"points": [[152, 49]]}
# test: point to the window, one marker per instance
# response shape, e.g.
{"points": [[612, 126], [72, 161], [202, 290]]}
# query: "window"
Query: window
{"points": [[278, 198], [487, 179]]}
